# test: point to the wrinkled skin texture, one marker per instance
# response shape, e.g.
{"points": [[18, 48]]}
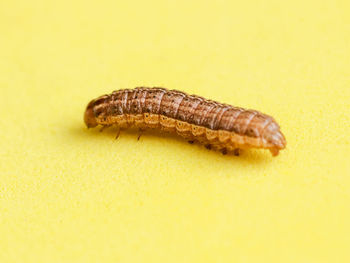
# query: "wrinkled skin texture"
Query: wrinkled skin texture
{"points": [[216, 125]]}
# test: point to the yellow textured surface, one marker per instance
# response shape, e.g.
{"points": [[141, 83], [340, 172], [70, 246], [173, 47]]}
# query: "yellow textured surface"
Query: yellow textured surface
{"points": [[68, 194]]}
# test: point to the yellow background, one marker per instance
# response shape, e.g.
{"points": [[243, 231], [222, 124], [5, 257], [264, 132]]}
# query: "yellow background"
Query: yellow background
{"points": [[68, 194]]}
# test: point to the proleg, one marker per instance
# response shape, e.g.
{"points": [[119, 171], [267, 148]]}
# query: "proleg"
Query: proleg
{"points": [[216, 125]]}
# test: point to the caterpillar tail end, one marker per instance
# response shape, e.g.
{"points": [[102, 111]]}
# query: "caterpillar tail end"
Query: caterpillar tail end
{"points": [[279, 143]]}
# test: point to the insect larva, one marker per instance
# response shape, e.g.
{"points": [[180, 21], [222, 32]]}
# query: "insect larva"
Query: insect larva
{"points": [[216, 125]]}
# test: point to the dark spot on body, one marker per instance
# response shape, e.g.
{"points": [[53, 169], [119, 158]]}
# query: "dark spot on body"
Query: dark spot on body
{"points": [[251, 132]]}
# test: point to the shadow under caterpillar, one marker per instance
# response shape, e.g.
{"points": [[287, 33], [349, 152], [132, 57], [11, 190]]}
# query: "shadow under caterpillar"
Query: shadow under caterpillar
{"points": [[216, 125]]}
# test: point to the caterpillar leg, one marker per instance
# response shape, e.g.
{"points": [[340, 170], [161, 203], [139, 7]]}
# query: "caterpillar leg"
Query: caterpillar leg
{"points": [[118, 133], [224, 151], [104, 127], [274, 151], [141, 130], [190, 141], [237, 152], [208, 146]]}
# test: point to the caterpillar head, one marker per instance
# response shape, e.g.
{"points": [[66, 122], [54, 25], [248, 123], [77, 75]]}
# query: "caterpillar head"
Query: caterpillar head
{"points": [[89, 116]]}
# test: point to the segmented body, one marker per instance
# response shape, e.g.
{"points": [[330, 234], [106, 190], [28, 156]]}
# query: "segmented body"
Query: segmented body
{"points": [[220, 126]]}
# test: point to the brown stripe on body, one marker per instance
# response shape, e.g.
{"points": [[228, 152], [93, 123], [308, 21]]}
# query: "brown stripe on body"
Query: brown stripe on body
{"points": [[131, 95], [241, 122], [170, 103], [211, 118], [153, 100], [194, 103], [135, 104], [201, 112], [187, 109]]}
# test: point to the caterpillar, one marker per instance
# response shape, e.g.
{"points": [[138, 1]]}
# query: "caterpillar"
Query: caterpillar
{"points": [[216, 125]]}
